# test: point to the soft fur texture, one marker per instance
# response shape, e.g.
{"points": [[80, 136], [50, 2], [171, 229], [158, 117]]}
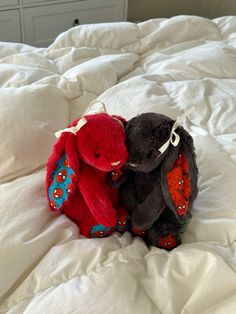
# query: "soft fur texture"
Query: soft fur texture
{"points": [[91, 153], [145, 191]]}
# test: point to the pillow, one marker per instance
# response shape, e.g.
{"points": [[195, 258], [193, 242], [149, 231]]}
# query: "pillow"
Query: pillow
{"points": [[29, 117]]}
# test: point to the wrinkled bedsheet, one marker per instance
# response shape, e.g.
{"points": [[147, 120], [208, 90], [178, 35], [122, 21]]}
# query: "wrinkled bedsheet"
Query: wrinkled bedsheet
{"points": [[161, 65]]}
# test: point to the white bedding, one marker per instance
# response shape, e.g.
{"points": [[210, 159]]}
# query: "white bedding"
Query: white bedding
{"points": [[162, 65]]}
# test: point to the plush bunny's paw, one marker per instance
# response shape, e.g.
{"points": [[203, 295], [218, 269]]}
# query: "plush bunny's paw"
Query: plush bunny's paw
{"points": [[139, 232], [168, 242], [164, 236], [122, 220], [100, 231]]}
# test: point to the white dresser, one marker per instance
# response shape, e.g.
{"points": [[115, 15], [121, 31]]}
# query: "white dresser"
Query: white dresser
{"points": [[38, 22]]}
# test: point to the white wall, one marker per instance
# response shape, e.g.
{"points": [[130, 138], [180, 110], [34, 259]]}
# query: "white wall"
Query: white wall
{"points": [[146, 9]]}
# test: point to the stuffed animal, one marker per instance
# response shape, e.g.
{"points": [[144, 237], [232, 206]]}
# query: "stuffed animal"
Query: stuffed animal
{"points": [[160, 182], [77, 170]]}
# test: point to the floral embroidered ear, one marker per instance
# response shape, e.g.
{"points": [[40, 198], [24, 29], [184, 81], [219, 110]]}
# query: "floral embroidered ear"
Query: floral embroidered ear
{"points": [[179, 185], [62, 172], [60, 184]]}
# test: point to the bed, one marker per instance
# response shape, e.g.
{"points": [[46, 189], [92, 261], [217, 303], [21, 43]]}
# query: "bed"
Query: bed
{"points": [[161, 65]]}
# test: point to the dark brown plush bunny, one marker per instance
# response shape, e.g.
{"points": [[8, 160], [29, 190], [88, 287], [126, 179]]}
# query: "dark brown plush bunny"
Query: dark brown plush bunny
{"points": [[160, 183]]}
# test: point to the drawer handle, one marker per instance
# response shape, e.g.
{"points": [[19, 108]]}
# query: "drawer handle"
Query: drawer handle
{"points": [[76, 22]]}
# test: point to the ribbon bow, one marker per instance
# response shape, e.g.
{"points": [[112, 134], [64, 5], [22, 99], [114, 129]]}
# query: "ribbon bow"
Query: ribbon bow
{"points": [[82, 121], [174, 137], [72, 129]]}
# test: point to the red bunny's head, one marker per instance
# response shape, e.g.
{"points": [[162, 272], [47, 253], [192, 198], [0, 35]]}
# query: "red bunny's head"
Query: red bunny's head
{"points": [[101, 142]]}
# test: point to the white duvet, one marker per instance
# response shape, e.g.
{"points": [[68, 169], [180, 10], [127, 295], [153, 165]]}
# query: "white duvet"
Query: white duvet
{"points": [[162, 65]]}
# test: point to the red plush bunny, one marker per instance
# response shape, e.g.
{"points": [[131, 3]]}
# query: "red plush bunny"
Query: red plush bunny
{"points": [[77, 171]]}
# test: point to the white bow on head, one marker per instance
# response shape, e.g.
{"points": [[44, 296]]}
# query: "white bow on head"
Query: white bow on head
{"points": [[174, 137], [74, 129]]}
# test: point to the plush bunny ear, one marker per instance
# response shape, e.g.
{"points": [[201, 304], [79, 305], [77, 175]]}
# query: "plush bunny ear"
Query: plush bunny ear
{"points": [[179, 177], [62, 172]]}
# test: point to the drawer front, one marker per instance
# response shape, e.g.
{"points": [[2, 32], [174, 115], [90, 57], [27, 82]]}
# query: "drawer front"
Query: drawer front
{"points": [[35, 1], [10, 26], [43, 24], [28, 2], [6, 3]]}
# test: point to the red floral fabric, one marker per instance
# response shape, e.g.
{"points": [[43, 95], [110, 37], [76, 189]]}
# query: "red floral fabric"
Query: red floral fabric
{"points": [[179, 184]]}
